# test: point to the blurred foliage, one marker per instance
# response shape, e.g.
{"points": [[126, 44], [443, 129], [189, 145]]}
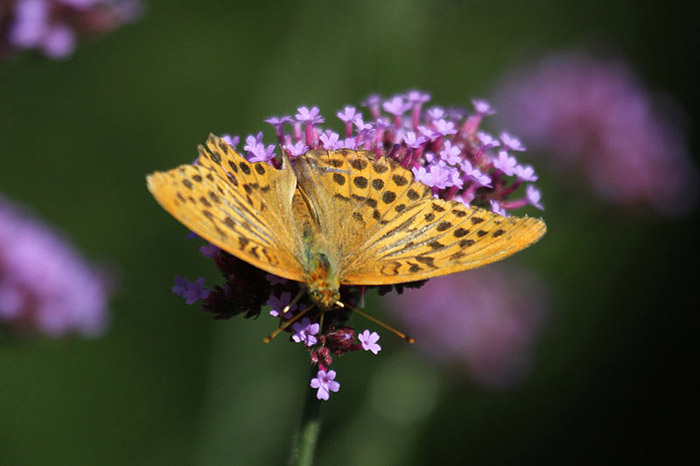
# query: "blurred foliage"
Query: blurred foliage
{"points": [[167, 385]]}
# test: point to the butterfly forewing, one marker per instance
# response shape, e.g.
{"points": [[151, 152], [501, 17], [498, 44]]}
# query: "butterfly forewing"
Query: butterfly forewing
{"points": [[246, 212]]}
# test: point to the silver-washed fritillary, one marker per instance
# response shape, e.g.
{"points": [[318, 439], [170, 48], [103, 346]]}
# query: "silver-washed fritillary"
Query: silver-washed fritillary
{"points": [[334, 218]]}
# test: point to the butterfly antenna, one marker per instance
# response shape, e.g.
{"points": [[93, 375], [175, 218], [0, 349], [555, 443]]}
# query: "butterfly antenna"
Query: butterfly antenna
{"points": [[379, 322], [279, 329], [296, 299]]}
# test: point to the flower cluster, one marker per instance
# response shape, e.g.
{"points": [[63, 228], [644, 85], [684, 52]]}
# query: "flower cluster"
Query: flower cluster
{"points": [[594, 116], [45, 286], [445, 148], [53, 27]]}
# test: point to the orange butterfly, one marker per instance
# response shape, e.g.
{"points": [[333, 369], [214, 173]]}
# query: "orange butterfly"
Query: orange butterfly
{"points": [[334, 218]]}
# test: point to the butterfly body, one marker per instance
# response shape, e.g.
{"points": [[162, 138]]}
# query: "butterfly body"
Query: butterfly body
{"points": [[334, 218]]}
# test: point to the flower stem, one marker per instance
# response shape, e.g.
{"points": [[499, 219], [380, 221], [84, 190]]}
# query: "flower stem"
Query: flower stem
{"points": [[305, 439]]}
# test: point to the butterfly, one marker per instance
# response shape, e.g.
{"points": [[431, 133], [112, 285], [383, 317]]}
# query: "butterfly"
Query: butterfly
{"points": [[334, 218]]}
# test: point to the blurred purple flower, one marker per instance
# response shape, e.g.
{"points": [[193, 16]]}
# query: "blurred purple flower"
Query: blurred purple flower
{"points": [[45, 285], [594, 115], [486, 321], [54, 26]]}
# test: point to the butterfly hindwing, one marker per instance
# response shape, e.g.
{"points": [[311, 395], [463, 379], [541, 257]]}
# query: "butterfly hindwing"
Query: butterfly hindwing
{"points": [[451, 239]]}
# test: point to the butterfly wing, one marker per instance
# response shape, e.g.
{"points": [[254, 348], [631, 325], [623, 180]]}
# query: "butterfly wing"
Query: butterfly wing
{"points": [[243, 208], [389, 229]]}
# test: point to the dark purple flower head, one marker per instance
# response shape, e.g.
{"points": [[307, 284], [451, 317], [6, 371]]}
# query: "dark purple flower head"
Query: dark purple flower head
{"points": [[54, 27], [191, 291], [447, 151], [593, 116], [45, 285]]}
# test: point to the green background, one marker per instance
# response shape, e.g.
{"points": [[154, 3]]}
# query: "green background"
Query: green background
{"points": [[168, 385]]}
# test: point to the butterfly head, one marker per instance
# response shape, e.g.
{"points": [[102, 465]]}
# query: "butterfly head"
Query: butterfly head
{"points": [[323, 284]]}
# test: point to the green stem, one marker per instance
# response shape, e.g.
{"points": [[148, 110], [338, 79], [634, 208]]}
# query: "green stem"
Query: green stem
{"points": [[305, 439]]}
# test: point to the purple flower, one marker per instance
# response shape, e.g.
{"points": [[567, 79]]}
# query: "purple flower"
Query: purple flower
{"points": [[325, 383], [59, 41], [330, 140], [349, 143], [396, 106], [511, 143], [369, 341], [596, 118], [296, 149], [444, 127], [482, 107], [534, 196], [447, 151], [349, 114], [505, 163], [312, 117], [450, 154], [45, 285], [305, 331], [413, 141], [209, 250], [277, 305], [525, 173], [53, 26], [252, 141], [487, 141], [30, 23], [191, 291], [417, 97], [257, 152], [435, 113], [278, 122], [231, 141], [485, 321], [497, 208]]}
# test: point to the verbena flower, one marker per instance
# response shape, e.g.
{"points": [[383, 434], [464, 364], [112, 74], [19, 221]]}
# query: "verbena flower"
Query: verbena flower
{"points": [[369, 341], [54, 27], [485, 321], [46, 286], [325, 383], [446, 149], [596, 117]]}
